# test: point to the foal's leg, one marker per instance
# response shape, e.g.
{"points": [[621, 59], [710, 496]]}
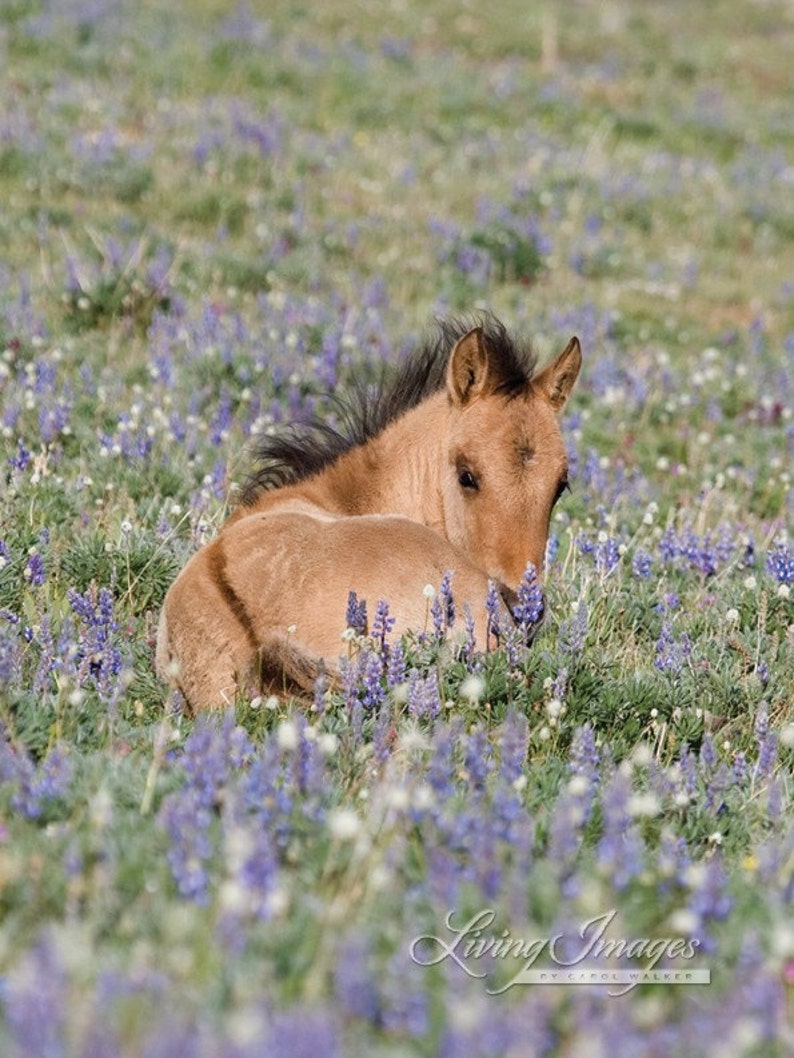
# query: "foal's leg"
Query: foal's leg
{"points": [[205, 648]]}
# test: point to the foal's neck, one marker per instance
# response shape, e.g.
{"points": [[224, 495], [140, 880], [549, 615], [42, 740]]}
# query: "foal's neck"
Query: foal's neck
{"points": [[397, 472]]}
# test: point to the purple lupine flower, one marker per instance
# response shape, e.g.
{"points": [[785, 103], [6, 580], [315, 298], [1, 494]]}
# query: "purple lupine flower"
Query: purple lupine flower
{"points": [[49, 656], [356, 614], [740, 769], [22, 457], [350, 671], [383, 733], [267, 799], [565, 837], [36, 1003], [330, 355], [708, 754], [668, 545], [34, 572], [321, 685], [404, 1005], [689, 772], [440, 771], [780, 563], [672, 653], [222, 421], [38, 786], [493, 608], [12, 764], [767, 755], [382, 625], [265, 134], [584, 763], [774, 800], [210, 752], [559, 685], [446, 601], [303, 1032], [721, 781], [217, 479], [709, 899], [10, 656], [529, 607], [54, 420], [354, 978], [642, 564], [761, 723], [513, 744], [620, 850], [468, 650], [552, 549], [252, 861], [396, 668], [672, 858], [99, 656], [187, 822], [424, 699], [515, 647], [371, 689], [705, 554], [304, 764], [477, 758], [607, 555], [573, 631]]}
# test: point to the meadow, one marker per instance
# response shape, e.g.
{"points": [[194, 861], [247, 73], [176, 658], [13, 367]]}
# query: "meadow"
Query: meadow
{"points": [[212, 215]]}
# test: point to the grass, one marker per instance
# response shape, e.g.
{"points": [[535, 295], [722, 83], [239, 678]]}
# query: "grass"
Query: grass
{"points": [[200, 240]]}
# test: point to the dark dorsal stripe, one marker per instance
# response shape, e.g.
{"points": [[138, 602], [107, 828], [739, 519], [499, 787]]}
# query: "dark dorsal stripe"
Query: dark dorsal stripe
{"points": [[304, 448]]}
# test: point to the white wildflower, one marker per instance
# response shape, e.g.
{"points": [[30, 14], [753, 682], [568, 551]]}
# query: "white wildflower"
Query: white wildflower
{"points": [[327, 743], [643, 805], [472, 688], [553, 708], [423, 797], [344, 824], [683, 922], [287, 735]]}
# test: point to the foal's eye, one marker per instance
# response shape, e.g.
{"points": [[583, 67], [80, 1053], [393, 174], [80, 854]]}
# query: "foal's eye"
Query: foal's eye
{"points": [[467, 480]]}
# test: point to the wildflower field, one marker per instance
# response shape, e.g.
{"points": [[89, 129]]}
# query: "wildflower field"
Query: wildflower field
{"points": [[212, 216]]}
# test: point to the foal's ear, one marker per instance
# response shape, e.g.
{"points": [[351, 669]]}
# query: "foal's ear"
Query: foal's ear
{"points": [[557, 380], [467, 370]]}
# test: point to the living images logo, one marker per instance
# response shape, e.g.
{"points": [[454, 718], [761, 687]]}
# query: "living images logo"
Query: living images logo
{"points": [[591, 955]]}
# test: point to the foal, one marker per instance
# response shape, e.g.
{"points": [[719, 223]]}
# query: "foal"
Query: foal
{"points": [[455, 466]]}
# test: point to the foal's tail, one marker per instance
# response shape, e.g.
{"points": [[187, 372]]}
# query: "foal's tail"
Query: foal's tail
{"points": [[286, 666]]}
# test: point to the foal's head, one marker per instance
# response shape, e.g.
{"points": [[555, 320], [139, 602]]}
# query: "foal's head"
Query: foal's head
{"points": [[507, 464]]}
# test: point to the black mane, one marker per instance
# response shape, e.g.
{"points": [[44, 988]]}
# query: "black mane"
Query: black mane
{"points": [[305, 447]]}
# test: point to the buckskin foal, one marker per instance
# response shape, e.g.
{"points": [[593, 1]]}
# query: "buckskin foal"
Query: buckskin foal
{"points": [[455, 465]]}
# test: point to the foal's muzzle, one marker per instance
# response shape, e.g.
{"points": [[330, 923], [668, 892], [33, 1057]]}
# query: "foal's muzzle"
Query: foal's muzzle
{"points": [[510, 599]]}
